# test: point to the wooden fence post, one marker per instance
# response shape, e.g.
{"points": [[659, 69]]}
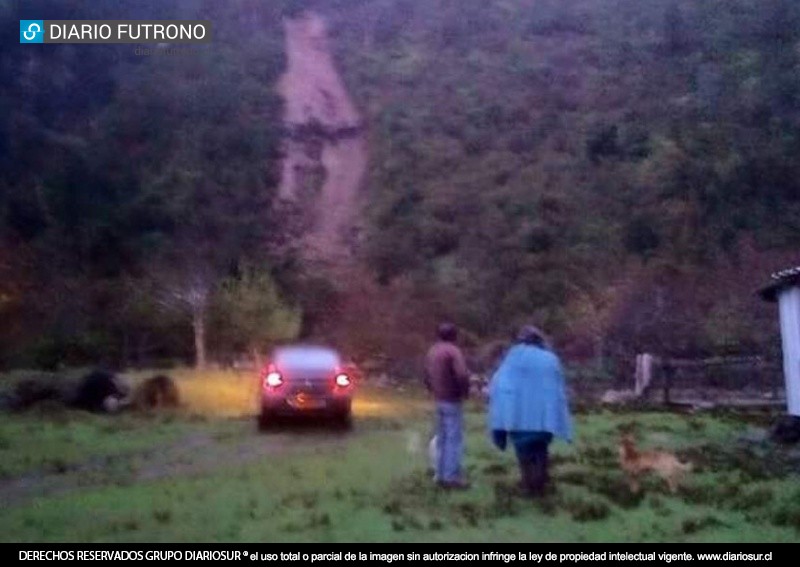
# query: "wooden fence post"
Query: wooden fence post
{"points": [[669, 375]]}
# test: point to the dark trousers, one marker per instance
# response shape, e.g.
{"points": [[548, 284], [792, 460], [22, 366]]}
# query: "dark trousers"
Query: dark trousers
{"points": [[533, 458]]}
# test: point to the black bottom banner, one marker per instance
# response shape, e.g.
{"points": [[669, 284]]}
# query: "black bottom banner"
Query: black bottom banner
{"points": [[406, 554]]}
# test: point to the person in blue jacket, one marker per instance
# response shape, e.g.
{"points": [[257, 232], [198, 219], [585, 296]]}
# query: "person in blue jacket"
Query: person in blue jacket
{"points": [[528, 403]]}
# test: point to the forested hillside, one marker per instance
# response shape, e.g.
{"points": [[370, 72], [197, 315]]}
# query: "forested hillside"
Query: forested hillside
{"points": [[134, 186], [623, 173]]}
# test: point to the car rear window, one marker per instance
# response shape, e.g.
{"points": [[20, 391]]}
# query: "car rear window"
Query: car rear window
{"points": [[308, 358]]}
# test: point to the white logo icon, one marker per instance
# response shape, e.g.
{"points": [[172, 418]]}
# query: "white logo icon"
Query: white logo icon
{"points": [[33, 29]]}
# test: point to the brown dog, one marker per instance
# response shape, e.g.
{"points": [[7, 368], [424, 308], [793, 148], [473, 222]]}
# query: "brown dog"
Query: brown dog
{"points": [[636, 463]]}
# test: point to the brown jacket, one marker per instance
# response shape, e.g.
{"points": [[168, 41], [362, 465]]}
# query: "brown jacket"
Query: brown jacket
{"points": [[446, 374]]}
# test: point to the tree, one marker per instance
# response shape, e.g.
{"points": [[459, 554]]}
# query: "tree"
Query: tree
{"points": [[253, 313], [202, 134], [156, 170]]}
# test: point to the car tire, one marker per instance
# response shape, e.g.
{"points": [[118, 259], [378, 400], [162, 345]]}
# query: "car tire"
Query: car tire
{"points": [[265, 420], [345, 417], [346, 421]]}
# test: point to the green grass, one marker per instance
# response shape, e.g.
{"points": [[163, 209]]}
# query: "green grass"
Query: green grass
{"points": [[61, 442], [205, 474]]}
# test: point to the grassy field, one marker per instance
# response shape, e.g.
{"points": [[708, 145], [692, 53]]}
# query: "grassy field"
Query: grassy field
{"points": [[204, 473]]}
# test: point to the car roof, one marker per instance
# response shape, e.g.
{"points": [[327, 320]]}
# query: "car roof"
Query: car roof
{"points": [[306, 356]]}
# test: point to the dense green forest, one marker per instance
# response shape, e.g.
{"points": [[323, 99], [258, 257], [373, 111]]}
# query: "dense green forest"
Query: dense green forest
{"points": [[134, 188], [623, 173]]}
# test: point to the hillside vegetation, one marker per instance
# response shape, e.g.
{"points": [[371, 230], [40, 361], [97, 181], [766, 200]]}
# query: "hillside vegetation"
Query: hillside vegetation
{"points": [[624, 174]]}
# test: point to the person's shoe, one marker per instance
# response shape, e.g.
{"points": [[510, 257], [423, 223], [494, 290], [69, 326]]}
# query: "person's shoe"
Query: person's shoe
{"points": [[458, 484]]}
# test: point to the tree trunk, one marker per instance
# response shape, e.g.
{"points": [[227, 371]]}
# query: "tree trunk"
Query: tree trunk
{"points": [[199, 326]]}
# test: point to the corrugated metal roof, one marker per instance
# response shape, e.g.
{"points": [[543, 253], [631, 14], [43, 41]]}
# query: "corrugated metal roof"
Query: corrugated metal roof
{"points": [[780, 280]]}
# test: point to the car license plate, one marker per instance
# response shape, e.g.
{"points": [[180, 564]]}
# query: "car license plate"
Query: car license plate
{"points": [[304, 401]]}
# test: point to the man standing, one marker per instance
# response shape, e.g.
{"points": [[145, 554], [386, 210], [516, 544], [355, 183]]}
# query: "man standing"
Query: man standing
{"points": [[447, 378]]}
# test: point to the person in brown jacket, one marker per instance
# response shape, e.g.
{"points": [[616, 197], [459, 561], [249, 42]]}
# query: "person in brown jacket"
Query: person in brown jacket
{"points": [[447, 378]]}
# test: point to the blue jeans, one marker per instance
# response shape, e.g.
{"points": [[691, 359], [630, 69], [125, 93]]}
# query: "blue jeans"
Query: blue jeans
{"points": [[450, 439]]}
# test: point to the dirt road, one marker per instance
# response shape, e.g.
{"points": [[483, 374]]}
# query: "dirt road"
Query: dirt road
{"points": [[325, 154]]}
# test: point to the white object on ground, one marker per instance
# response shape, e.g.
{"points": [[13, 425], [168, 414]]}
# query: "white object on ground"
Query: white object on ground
{"points": [[433, 454]]}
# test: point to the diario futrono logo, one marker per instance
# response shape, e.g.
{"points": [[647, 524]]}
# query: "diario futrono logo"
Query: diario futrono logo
{"points": [[31, 31]]}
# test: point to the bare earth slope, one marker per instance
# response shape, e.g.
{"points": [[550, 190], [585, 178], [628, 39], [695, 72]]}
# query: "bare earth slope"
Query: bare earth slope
{"points": [[325, 153]]}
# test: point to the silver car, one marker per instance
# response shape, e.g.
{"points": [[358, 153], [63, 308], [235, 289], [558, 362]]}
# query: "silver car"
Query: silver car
{"points": [[305, 380]]}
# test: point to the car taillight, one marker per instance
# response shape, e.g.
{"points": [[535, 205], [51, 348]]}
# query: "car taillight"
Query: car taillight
{"points": [[273, 379], [342, 380]]}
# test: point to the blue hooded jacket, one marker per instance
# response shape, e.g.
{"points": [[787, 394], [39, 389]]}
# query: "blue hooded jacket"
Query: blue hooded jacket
{"points": [[527, 393]]}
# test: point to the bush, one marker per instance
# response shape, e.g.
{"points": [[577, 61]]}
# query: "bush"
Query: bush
{"points": [[33, 391], [96, 389], [157, 392]]}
